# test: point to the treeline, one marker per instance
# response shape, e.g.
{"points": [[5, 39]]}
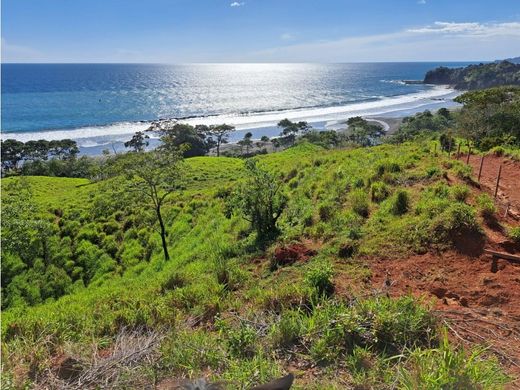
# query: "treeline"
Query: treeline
{"points": [[476, 76], [16, 153]]}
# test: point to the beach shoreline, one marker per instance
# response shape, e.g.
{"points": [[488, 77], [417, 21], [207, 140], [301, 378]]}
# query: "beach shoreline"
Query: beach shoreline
{"points": [[93, 140]]}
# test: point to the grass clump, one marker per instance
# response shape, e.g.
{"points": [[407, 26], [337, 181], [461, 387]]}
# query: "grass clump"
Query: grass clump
{"points": [[319, 277], [379, 191], [359, 203], [448, 368], [514, 234], [400, 202], [458, 219], [459, 192], [486, 206]]}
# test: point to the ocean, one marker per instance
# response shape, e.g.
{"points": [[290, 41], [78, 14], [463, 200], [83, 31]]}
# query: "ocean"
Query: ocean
{"points": [[103, 104]]}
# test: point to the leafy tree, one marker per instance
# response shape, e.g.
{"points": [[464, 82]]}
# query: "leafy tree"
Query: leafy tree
{"points": [[12, 154], [490, 117], [219, 134], [261, 200], [64, 149], [193, 139], [361, 132], [264, 138], [36, 150], [138, 142], [447, 142], [247, 142], [291, 129], [156, 176]]}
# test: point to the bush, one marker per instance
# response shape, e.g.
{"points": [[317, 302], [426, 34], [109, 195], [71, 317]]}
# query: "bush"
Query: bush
{"points": [[486, 206], [379, 191], [319, 277], [514, 233], [456, 220], [359, 203], [498, 151], [400, 202], [241, 342], [459, 192]]}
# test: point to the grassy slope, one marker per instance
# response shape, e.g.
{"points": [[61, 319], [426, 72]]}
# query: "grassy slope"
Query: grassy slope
{"points": [[183, 295]]}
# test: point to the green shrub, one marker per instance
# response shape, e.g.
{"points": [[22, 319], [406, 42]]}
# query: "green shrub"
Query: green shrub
{"points": [[400, 202], [456, 220], [498, 151], [241, 342], [486, 206], [379, 191], [288, 330], [319, 277], [359, 203], [463, 171], [387, 166], [459, 192], [514, 234], [433, 172]]}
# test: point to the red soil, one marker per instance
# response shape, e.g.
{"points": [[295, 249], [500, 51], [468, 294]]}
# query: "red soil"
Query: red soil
{"points": [[509, 186], [479, 306]]}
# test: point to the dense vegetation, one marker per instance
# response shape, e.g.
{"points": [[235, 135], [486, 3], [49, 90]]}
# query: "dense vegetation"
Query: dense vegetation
{"points": [[217, 308], [476, 76], [239, 269]]}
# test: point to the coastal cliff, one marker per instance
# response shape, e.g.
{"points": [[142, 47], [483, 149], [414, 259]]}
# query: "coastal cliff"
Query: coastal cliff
{"points": [[476, 76]]}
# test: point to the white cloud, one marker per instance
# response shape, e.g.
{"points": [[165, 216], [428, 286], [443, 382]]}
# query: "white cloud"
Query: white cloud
{"points": [[421, 2], [442, 41], [287, 37], [470, 29], [236, 4]]}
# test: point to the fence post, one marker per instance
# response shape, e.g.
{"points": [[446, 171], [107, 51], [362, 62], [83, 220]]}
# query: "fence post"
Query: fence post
{"points": [[480, 169], [469, 154], [458, 151], [498, 180]]}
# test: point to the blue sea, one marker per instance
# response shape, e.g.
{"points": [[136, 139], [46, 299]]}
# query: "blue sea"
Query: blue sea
{"points": [[103, 104]]}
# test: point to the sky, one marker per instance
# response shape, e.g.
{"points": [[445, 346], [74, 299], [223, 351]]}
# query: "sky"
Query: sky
{"points": [[182, 31]]}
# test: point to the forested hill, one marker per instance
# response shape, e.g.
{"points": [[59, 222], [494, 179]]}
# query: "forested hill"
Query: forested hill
{"points": [[476, 76]]}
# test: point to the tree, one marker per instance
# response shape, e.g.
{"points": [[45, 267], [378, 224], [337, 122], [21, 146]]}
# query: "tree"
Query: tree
{"points": [[291, 129], [247, 141], [12, 154], [65, 149], [193, 139], [36, 150], [155, 175], [219, 134], [261, 200], [361, 132], [138, 142], [264, 138], [490, 117]]}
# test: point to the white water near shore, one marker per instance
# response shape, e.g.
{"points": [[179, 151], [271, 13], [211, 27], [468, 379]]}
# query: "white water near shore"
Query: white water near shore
{"points": [[97, 136]]}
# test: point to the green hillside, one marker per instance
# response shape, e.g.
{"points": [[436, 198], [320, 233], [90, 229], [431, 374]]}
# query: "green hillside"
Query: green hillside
{"points": [[226, 305]]}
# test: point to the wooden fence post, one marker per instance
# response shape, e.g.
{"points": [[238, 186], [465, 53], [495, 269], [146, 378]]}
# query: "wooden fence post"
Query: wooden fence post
{"points": [[480, 169], [498, 180], [469, 154]]}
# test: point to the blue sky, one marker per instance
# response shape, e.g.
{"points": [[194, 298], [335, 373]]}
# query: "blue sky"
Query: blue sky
{"points": [[259, 30]]}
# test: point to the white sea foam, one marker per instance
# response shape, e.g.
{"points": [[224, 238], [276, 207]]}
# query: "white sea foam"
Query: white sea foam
{"points": [[103, 135]]}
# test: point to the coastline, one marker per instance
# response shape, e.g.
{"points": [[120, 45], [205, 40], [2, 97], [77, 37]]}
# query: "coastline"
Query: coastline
{"points": [[92, 140]]}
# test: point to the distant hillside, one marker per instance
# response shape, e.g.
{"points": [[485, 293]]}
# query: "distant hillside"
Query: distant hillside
{"points": [[514, 60], [476, 76]]}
